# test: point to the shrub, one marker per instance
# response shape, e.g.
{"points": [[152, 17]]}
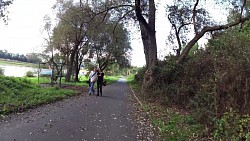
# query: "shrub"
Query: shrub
{"points": [[232, 72], [1, 71], [232, 126], [138, 78], [209, 83], [29, 74]]}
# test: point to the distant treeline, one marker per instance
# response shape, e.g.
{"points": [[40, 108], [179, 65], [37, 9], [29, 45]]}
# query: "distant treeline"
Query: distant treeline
{"points": [[30, 58]]}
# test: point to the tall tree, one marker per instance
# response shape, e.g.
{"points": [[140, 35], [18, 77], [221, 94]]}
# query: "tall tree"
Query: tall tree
{"points": [[50, 48], [144, 12], [147, 27], [70, 34], [81, 30], [111, 45]]}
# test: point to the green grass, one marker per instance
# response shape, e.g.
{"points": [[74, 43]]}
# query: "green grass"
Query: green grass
{"points": [[48, 80], [173, 125], [111, 79], [83, 80], [17, 63], [131, 82], [18, 94]]}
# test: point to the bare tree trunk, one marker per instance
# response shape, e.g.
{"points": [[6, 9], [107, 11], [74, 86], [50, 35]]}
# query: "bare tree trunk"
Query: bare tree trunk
{"points": [[69, 68], [77, 67], [152, 62], [149, 41], [71, 64], [178, 51], [152, 36], [145, 41]]}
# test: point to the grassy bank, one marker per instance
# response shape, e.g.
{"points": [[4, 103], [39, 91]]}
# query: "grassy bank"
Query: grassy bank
{"points": [[19, 94], [173, 124], [16, 63], [212, 84], [82, 80]]}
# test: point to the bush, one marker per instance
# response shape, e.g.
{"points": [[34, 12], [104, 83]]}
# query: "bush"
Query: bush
{"points": [[29, 74], [217, 79], [140, 75], [167, 75], [232, 126], [209, 83], [232, 72], [1, 71]]}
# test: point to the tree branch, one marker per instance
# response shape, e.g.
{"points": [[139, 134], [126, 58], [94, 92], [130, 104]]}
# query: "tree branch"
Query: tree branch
{"points": [[113, 7], [107, 10], [203, 31], [105, 63], [179, 29], [119, 21], [194, 15], [241, 12], [140, 17]]}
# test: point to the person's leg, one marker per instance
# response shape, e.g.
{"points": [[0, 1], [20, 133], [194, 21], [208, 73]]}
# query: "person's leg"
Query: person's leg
{"points": [[98, 89], [101, 89], [91, 88], [89, 82]]}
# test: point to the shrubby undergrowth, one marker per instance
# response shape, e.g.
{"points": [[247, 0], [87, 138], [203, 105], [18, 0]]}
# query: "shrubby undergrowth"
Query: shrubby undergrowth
{"points": [[212, 83]]}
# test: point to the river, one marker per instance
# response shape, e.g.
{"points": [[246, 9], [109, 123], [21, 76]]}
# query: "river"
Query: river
{"points": [[20, 71]]}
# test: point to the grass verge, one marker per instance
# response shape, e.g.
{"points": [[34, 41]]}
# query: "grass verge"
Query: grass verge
{"points": [[16, 63], [173, 124], [82, 82], [19, 94]]}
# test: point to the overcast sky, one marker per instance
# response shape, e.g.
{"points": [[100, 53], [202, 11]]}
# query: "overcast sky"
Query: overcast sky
{"points": [[23, 34]]}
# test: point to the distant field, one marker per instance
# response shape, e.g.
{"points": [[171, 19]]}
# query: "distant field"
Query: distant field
{"points": [[16, 63]]}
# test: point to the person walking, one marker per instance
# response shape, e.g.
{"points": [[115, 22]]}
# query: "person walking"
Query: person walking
{"points": [[100, 76], [92, 79]]}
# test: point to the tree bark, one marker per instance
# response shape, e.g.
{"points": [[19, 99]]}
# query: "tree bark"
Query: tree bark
{"points": [[148, 40], [71, 64], [145, 42], [77, 67], [178, 51], [148, 33], [193, 17], [152, 43]]}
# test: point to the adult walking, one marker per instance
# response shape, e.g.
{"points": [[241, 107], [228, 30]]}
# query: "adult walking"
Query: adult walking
{"points": [[100, 76], [92, 79]]}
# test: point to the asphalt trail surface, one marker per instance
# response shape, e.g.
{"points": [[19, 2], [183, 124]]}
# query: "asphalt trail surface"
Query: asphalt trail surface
{"points": [[81, 118]]}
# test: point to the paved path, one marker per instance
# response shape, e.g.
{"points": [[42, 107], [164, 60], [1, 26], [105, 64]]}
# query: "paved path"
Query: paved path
{"points": [[81, 118]]}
